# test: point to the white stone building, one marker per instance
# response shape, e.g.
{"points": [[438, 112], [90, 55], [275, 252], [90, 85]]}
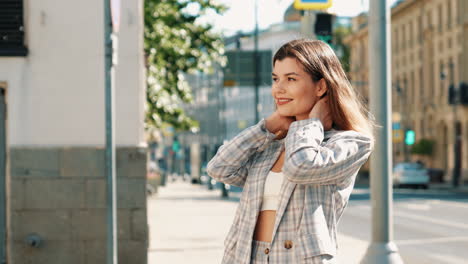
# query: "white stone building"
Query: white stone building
{"points": [[55, 132]]}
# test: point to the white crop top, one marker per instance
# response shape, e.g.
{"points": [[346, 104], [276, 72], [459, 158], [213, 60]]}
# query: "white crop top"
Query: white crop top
{"points": [[271, 191]]}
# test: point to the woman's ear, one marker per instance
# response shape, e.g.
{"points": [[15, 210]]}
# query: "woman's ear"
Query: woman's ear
{"points": [[321, 88]]}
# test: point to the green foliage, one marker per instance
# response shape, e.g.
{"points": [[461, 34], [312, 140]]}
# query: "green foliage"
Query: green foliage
{"points": [[176, 43], [340, 33], [423, 147]]}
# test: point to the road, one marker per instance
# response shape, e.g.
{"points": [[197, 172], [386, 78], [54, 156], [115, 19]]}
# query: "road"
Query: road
{"points": [[430, 226], [188, 222]]}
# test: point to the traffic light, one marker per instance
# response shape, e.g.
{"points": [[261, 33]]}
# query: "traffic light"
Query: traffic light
{"points": [[464, 93], [452, 95], [410, 137], [323, 27], [175, 145]]}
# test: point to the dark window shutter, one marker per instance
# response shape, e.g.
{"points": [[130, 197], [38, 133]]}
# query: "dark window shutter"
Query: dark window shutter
{"points": [[464, 93], [12, 28], [452, 95]]}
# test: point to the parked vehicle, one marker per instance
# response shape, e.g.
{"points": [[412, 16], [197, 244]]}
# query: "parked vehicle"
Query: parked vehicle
{"points": [[410, 174]]}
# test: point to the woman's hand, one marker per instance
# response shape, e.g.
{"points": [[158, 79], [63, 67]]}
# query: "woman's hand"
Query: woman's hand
{"points": [[321, 110], [278, 124]]}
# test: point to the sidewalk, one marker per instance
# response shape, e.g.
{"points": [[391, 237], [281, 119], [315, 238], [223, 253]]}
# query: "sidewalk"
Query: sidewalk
{"points": [[463, 188], [434, 187], [188, 224]]}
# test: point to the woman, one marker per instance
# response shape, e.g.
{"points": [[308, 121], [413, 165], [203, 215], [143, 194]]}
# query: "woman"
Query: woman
{"points": [[297, 166]]}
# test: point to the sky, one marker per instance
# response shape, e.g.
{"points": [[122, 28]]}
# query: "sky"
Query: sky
{"points": [[240, 15]]}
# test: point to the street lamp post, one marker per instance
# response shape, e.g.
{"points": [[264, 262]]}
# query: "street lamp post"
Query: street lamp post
{"points": [[454, 93], [403, 111], [111, 26], [381, 249], [456, 131]]}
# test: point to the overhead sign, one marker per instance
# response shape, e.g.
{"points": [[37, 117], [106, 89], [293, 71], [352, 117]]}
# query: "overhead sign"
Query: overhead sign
{"points": [[240, 71], [312, 4]]}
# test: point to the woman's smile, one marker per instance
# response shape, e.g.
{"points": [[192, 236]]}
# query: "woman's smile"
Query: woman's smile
{"points": [[282, 101]]}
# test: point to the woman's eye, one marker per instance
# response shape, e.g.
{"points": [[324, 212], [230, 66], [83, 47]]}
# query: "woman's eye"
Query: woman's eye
{"points": [[274, 79], [291, 79]]}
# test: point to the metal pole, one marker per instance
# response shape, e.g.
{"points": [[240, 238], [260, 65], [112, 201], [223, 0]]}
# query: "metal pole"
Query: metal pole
{"points": [[381, 250], [307, 24], [457, 150], [406, 125], [256, 65], [3, 207], [109, 41], [456, 136]]}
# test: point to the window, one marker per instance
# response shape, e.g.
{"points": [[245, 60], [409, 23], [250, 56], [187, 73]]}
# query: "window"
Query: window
{"points": [[439, 14], [403, 36], [429, 20], [421, 128], [449, 14], [452, 71], [443, 79], [411, 34], [420, 29], [421, 85], [415, 99], [12, 28]]}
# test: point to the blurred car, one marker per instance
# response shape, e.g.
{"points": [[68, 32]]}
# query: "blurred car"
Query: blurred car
{"points": [[410, 174]]}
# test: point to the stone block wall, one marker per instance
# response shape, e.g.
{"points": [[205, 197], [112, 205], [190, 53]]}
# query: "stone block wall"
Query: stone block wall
{"points": [[59, 194]]}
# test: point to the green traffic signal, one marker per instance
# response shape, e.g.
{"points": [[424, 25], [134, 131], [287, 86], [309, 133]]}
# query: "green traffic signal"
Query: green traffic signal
{"points": [[410, 137], [175, 146]]}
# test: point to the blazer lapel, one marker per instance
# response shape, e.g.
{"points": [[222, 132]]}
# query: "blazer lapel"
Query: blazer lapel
{"points": [[285, 194], [287, 187], [257, 191], [286, 190]]}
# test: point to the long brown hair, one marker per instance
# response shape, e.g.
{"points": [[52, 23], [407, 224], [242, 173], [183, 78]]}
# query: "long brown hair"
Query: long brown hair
{"points": [[320, 62]]}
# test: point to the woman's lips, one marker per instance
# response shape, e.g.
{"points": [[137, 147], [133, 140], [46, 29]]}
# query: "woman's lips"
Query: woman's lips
{"points": [[282, 101]]}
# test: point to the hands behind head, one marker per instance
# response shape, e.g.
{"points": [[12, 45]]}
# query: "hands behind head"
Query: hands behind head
{"points": [[321, 110], [279, 125]]}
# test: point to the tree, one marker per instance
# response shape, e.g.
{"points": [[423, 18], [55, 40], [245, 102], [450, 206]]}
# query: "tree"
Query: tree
{"points": [[176, 43], [340, 33], [423, 147]]}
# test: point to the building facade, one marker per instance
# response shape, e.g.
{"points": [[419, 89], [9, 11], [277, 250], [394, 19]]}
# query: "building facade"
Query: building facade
{"points": [[55, 133], [429, 52]]}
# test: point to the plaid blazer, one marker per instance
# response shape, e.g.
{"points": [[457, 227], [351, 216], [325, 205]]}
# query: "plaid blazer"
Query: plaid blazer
{"points": [[319, 167]]}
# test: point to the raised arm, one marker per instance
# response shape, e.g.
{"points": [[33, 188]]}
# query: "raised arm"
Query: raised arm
{"points": [[231, 162], [309, 162]]}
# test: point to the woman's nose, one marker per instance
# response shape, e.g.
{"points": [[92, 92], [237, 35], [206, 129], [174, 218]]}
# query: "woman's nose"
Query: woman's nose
{"points": [[279, 88]]}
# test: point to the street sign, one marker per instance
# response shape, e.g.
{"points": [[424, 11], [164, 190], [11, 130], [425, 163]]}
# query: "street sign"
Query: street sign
{"points": [[397, 136], [312, 4]]}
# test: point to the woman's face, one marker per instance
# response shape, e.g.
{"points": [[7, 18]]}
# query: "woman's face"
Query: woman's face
{"points": [[293, 89]]}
